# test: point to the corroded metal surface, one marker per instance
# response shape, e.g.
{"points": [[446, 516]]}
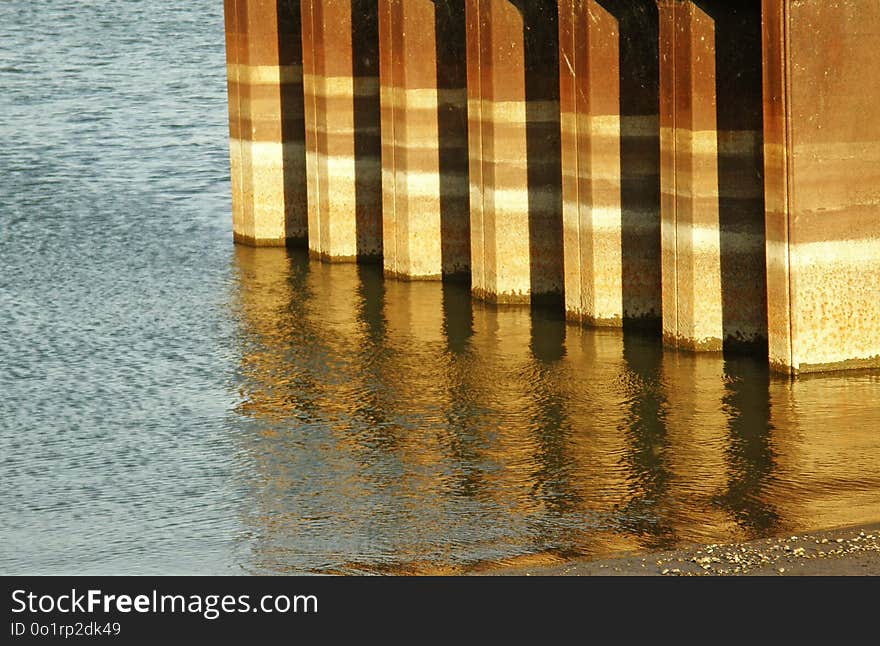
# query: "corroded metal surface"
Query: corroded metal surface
{"points": [[649, 194], [266, 132], [610, 160], [822, 84], [514, 150], [341, 86], [424, 138], [713, 267]]}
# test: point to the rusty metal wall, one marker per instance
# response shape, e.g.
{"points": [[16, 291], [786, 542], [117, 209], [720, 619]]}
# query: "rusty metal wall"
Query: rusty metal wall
{"points": [[611, 152], [424, 138], [514, 150], [609, 103], [343, 149], [266, 131], [822, 86], [714, 288]]}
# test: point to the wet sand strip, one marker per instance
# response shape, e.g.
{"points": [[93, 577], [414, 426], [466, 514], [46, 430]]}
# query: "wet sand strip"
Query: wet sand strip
{"points": [[852, 551]]}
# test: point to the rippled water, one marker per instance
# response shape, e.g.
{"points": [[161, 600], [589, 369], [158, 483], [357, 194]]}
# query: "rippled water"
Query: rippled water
{"points": [[170, 403]]}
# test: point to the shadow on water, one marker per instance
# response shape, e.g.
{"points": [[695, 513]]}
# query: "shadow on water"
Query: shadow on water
{"points": [[750, 457], [646, 458], [458, 318], [462, 442], [370, 409], [552, 428]]}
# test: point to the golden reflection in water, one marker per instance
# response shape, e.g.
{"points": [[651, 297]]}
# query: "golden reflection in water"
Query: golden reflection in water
{"points": [[402, 427]]}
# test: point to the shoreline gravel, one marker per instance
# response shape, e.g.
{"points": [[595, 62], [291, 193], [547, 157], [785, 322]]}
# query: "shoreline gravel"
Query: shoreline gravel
{"points": [[851, 551]]}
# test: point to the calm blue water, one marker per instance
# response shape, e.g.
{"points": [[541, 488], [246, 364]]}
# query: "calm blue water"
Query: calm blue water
{"points": [[172, 404]]}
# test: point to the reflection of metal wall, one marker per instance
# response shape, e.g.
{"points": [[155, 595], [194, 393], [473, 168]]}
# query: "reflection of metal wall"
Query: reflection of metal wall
{"points": [[822, 87], [826, 449], [266, 132], [696, 429], [401, 426]]}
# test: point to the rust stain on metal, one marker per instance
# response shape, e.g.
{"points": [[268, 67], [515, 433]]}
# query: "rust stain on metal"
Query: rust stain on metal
{"points": [[266, 130], [424, 139], [712, 220], [514, 149], [627, 156], [822, 83], [341, 86]]}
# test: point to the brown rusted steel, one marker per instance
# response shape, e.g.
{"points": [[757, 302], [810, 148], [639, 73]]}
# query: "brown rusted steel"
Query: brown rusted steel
{"points": [[424, 138], [266, 132], [822, 85], [609, 103], [714, 289], [766, 188], [513, 129], [341, 86]]}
